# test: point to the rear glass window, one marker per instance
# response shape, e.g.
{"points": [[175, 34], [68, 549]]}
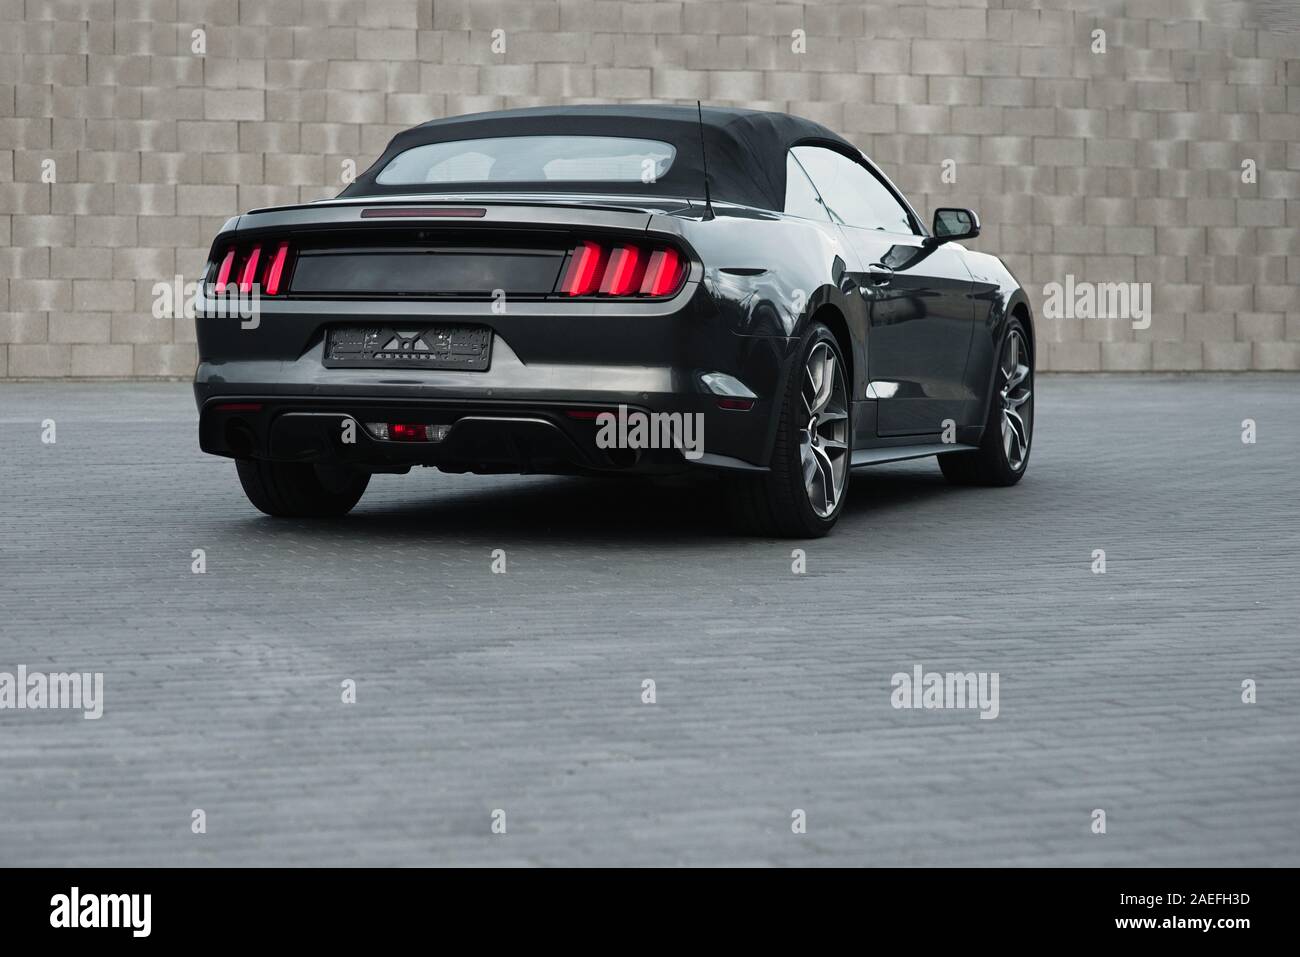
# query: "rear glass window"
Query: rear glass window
{"points": [[531, 159]]}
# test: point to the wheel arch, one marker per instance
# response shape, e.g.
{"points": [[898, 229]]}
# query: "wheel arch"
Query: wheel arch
{"points": [[1019, 309], [1016, 306], [829, 315]]}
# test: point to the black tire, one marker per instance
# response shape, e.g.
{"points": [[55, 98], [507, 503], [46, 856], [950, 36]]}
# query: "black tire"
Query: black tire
{"points": [[777, 503], [992, 463], [301, 489]]}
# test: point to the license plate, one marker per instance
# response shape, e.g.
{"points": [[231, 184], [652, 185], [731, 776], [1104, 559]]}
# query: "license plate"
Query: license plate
{"points": [[422, 346]]}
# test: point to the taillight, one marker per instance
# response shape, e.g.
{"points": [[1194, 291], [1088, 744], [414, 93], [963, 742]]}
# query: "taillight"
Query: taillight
{"points": [[620, 274], [662, 273], [223, 274], [583, 277], [248, 275], [622, 270], [276, 272], [246, 266]]}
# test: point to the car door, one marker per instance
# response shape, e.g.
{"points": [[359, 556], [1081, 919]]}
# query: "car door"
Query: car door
{"points": [[921, 317]]}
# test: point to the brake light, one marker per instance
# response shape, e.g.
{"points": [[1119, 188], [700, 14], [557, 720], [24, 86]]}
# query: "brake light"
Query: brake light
{"points": [[662, 273], [620, 274], [274, 274], [623, 270], [241, 267], [249, 273], [423, 212], [581, 279], [223, 274]]}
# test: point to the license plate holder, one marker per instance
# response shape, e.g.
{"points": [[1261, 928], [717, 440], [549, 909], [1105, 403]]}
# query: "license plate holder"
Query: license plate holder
{"points": [[409, 346]]}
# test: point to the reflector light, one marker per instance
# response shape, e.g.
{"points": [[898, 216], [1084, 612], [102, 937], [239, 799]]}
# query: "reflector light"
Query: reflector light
{"points": [[223, 274], [249, 273], [736, 405], [276, 271]]}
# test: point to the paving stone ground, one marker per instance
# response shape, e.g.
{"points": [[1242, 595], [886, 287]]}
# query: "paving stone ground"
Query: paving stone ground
{"points": [[522, 691]]}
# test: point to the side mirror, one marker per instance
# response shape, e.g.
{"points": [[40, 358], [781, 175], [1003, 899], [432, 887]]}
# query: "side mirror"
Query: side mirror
{"points": [[951, 223]]}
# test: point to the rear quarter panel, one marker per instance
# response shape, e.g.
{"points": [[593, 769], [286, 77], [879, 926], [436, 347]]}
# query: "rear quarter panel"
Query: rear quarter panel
{"points": [[769, 275], [997, 295]]}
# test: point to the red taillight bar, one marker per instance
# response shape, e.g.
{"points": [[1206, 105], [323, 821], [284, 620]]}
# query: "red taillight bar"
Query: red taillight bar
{"points": [[662, 273], [223, 274], [621, 274], [248, 274], [582, 277], [241, 267], [622, 270], [276, 272]]}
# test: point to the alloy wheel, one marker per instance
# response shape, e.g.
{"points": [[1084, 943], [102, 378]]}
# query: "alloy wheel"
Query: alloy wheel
{"points": [[1017, 400], [824, 439]]}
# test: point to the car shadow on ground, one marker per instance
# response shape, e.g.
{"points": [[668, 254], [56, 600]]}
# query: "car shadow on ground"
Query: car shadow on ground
{"points": [[624, 510]]}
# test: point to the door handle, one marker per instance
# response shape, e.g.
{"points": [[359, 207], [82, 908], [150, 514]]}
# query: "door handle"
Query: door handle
{"points": [[878, 274]]}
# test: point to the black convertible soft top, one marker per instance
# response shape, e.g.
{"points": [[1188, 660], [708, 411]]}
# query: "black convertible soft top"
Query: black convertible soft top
{"points": [[746, 148]]}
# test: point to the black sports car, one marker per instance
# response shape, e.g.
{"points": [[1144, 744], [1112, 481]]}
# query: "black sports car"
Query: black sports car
{"points": [[607, 290]]}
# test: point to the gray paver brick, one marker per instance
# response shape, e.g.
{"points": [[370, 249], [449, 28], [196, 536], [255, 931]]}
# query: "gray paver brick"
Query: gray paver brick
{"points": [[522, 691]]}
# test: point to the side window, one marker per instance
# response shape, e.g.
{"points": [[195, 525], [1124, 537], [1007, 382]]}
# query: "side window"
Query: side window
{"points": [[801, 198], [851, 192]]}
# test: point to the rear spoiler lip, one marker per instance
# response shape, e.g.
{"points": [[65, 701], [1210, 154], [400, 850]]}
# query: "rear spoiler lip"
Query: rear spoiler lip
{"points": [[611, 202], [504, 216]]}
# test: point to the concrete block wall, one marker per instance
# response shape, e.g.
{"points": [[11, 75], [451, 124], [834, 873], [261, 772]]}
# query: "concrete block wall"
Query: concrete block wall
{"points": [[1122, 166]]}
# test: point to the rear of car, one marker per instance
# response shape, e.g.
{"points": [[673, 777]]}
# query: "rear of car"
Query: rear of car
{"points": [[599, 290], [454, 316], [485, 329]]}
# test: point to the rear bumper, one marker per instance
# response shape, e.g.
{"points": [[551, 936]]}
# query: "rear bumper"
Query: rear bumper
{"points": [[547, 359], [515, 417], [486, 438]]}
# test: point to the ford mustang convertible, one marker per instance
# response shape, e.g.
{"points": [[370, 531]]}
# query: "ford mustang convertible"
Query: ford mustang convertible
{"points": [[606, 290]]}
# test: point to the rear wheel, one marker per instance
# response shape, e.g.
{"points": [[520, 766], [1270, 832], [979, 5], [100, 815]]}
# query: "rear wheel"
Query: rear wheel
{"points": [[301, 489], [803, 493], [1003, 453]]}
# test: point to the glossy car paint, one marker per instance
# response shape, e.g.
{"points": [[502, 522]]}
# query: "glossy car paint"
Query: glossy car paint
{"points": [[921, 346]]}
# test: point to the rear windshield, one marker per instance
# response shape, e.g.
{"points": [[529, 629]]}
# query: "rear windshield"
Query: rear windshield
{"points": [[531, 159]]}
